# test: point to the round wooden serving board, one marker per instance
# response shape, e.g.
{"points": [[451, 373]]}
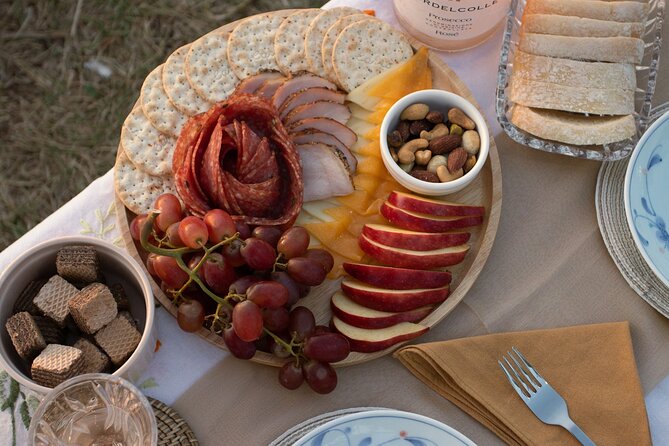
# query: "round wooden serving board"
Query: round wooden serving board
{"points": [[485, 190]]}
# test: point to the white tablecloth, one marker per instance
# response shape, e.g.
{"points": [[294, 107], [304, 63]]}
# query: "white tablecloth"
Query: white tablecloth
{"points": [[92, 213]]}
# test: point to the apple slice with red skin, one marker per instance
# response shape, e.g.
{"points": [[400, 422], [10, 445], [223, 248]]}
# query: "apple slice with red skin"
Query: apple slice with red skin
{"points": [[406, 258], [417, 241], [367, 340], [383, 299], [360, 316], [397, 278], [423, 205], [415, 221]]}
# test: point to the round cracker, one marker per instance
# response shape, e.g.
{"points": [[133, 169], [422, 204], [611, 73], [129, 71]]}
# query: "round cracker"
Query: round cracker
{"points": [[330, 38], [147, 148], [207, 67], [177, 87], [289, 41], [251, 45], [315, 33], [157, 106], [137, 189], [365, 49]]}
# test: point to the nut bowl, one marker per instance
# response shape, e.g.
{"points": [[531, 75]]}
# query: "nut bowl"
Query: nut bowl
{"points": [[116, 266], [437, 100]]}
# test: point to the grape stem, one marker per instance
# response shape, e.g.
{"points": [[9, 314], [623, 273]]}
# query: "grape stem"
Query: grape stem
{"points": [[290, 347]]}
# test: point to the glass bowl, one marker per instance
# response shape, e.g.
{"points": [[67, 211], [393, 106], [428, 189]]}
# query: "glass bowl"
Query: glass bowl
{"points": [[646, 81]]}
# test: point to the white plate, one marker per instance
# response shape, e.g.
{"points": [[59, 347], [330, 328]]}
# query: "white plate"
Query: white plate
{"points": [[384, 427], [646, 197]]}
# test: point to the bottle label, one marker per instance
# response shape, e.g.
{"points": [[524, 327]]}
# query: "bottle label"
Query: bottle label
{"points": [[452, 19]]}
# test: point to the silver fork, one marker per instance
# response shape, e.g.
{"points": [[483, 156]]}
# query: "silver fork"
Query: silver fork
{"points": [[538, 395]]}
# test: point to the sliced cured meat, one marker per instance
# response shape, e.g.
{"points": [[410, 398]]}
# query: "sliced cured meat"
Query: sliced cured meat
{"points": [[252, 83], [341, 150], [332, 110], [325, 125], [308, 96], [309, 137], [239, 157], [299, 83], [269, 87], [325, 171]]}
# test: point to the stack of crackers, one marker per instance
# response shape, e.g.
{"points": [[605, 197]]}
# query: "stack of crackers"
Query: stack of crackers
{"points": [[574, 70], [340, 44], [72, 323]]}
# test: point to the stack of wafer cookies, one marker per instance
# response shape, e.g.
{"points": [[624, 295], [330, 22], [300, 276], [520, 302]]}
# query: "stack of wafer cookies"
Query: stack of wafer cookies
{"points": [[61, 330], [574, 76], [341, 44]]}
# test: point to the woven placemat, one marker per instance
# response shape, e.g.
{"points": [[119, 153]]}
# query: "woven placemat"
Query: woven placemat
{"points": [[292, 435], [172, 429], [610, 205]]}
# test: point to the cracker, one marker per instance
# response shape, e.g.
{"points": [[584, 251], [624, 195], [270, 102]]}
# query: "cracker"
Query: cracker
{"points": [[157, 105], [289, 41], [147, 148], [207, 67], [572, 128], [330, 38], [365, 49], [251, 45], [315, 33], [137, 189], [177, 87]]}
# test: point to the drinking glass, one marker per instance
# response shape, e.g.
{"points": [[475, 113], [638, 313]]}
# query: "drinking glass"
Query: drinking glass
{"points": [[95, 409]]}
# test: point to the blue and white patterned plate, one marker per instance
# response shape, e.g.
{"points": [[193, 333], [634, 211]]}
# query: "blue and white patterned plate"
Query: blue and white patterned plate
{"points": [[384, 428], [647, 197]]}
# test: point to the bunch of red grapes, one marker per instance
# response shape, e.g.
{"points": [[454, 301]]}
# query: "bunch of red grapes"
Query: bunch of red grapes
{"points": [[243, 284]]}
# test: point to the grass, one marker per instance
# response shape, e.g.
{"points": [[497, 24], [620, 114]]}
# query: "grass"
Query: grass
{"points": [[59, 121]]}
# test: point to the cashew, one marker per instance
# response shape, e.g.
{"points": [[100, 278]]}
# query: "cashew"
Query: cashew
{"points": [[436, 161], [405, 156], [469, 164], [393, 154], [414, 112], [406, 167], [423, 157], [471, 142], [457, 116], [445, 176], [437, 131], [415, 144]]}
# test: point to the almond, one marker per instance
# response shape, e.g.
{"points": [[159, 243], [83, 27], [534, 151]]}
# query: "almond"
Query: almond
{"points": [[425, 175], [444, 144], [456, 159]]}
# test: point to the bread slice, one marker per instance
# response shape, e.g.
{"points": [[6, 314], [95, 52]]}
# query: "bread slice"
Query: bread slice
{"points": [[572, 128], [600, 101], [561, 25], [617, 11], [601, 49], [574, 72]]}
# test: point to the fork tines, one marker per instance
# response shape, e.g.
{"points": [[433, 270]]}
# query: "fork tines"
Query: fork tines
{"points": [[525, 380]]}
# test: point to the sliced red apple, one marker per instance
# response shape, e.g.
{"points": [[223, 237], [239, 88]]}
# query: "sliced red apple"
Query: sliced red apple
{"points": [[392, 300], [429, 206], [397, 278], [406, 258], [358, 315], [367, 340], [415, 221], [417, 241]]}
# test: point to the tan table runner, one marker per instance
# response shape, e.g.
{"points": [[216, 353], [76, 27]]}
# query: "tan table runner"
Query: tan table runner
{"points": [[548, 268]]}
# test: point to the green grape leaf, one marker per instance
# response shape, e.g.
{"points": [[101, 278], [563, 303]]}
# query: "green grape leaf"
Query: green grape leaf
{"points": [[25, 414]]}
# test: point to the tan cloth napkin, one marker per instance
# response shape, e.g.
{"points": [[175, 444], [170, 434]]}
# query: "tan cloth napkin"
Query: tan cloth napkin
{"points": [[591, 366]]}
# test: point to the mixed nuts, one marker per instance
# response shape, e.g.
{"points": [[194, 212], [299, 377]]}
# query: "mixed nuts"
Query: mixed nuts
{"points": [[433, 147]]}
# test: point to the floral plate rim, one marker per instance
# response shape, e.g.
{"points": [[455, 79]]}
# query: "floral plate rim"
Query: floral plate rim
{"points": [[634, 171], [365, 416]]}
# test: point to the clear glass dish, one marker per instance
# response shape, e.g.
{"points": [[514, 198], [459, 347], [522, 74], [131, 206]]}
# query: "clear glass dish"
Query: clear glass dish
{"points": [[646, 81]]}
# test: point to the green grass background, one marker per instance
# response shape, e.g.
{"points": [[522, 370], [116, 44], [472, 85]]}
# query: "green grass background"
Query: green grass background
{"points": [[59, 121]]}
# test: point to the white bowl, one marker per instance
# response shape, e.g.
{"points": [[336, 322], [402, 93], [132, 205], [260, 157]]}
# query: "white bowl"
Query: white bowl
{"points": [[117, 267], [442, 101]]}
